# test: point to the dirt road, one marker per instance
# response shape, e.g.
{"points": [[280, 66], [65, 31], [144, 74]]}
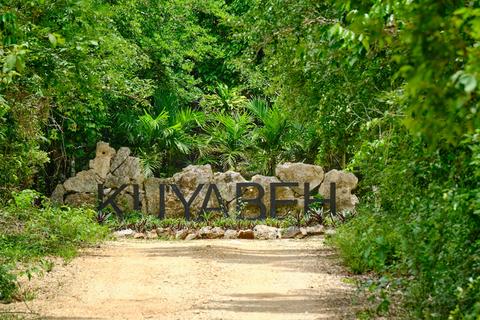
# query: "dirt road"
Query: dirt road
{"points": [[200, 279]]}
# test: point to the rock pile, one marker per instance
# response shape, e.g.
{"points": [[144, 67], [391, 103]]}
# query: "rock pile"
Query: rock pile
{"points": [[114, 168], [259, 232]]}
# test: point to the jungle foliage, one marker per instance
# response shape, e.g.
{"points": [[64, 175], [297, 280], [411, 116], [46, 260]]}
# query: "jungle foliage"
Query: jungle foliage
{"points": [[33, 231], [386, 89]]}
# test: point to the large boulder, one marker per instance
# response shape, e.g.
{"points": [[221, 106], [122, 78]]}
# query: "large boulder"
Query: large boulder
{"points": [[301, 173], [81, 199], [115, 182], [174, 207], [84, 181], [187, 181], [345, 183], [122, 155], [131, 168], [104, 150], [192, 175], [101, 164], [151, 186], [58, 194], [125, 202], [281, 193], [227, 184]]}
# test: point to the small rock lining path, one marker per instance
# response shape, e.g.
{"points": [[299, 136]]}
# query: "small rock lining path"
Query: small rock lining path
{"points": [[202, 279]]}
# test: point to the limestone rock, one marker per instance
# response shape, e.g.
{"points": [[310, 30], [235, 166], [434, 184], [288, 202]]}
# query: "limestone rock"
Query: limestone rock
{"points": [[112, 181], [58, 194], [84, 181], [315, 230], [341, 178], [226, 183], [211, 233], [187, 181], [330, 232], [230, 234], [218, 232], [152, 234], [132, 169], [139, 235], [301, 173], [164, 232], [345, 183], [123, 200], [124, 233], [101, 164], [152, 195], [174, 207], [104, 150], [115, 169], [122, 154], [191, 176], [246, 234], [303, 233], [191, 236], [290, 232], [81, 199], [265, 232], [205, 232], [181, 234], [282, 193]]}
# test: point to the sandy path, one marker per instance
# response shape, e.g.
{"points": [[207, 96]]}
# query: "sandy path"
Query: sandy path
{"points": [[201, 279]]}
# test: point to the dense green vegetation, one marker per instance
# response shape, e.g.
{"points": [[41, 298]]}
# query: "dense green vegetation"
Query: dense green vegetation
{"points": [[387, 89], [30, 235]]}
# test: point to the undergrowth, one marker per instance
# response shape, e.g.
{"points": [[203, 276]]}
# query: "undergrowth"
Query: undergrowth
{"points": [[31, 231], [418, 229]]}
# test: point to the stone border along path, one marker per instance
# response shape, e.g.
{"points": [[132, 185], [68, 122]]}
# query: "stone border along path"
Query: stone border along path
{"points": [[259, 232], [202, 279]]}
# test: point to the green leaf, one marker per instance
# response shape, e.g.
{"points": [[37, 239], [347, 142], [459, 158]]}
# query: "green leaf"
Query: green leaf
{"points": [[20, 64], [9, 63], [366, 43], [469, 82], [52, 39]]}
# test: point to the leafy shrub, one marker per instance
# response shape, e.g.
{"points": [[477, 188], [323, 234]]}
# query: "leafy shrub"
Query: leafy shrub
{"points": [[8, 286], [468, 301], [29, 232], [367, 242], [424, 229]]}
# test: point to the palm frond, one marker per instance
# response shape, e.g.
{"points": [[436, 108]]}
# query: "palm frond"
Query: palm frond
{"points": [[258, 107]]}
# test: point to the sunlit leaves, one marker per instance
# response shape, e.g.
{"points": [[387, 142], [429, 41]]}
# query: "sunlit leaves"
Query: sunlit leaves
{"points": [[229, 140], [56, 39], [467, 81]]}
